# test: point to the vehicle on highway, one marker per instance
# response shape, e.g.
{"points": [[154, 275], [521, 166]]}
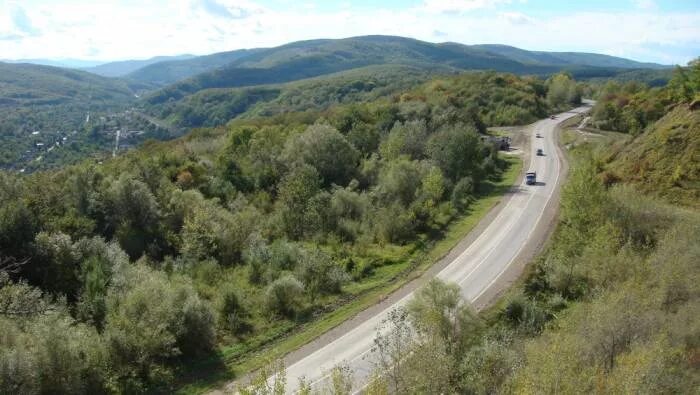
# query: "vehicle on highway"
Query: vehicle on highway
{"points": [[531, 178], [540, 152], [552, 117], [539, 136]]}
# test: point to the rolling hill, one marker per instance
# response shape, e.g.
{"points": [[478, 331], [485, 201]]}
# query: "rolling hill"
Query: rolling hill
{"points": [[122, 68], [566, 58], [306, 59], [31, 84], [167, 72], [306, 75], [215, 106], [41, 106]]}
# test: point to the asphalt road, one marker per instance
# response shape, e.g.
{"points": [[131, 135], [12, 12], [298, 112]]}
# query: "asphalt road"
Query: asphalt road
{"points": [[479, 269]]}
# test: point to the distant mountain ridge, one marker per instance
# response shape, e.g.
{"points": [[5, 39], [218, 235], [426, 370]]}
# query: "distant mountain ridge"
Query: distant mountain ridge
{"points": [[312, 58], [124, 67], [567, 58], [167, 72], [65, 63], [306, 75], [23, 84]]}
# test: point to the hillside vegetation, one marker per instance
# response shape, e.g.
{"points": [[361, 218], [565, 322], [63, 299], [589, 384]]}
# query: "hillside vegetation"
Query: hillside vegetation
{"points": [[306, 59], [664, 160], [213, 107], [663, 157], [122, 68], [34, 85], [171, 71], [54, 102], [566, 58], [211, 90], [494, 94], [611, 306], [121, 277]]}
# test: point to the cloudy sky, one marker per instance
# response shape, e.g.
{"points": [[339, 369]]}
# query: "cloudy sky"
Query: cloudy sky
{"points": [[648, 30]]}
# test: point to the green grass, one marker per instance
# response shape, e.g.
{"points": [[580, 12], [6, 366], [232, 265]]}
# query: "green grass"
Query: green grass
{"points": [[239, 359]]}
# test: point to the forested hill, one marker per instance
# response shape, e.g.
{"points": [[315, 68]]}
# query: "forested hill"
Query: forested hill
{"points": [[122, 68], [135, 271], [170, 71], [305, 75], [312, 58], [213, 107], [566, 58], [43, 106], [26, 84], [367, 50], [612, 305]]}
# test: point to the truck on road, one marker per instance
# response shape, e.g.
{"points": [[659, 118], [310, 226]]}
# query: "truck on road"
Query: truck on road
{"points": [[531, 178]]}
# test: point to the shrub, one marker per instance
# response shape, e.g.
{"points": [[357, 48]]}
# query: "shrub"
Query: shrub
{"points": [[284, 296], [320, 274], [327, 150], [43, 350], [151, 320], [232, 314], [462, 193]]}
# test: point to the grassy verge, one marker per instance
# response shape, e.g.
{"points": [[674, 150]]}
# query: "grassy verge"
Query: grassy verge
{"points": [[239, 359]]}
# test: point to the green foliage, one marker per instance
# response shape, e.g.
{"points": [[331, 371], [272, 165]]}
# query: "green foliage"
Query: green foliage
{"points": [[562, 91], [326, 150], [421, 349], [632, 107], [51, 353], [295, 192], [663, 160], [152, 319], [456, 150], [245, 232], [462, 192], [439, 312], [232, 313], [611, 307], [284, 296], [406, 139], [320, 274]]}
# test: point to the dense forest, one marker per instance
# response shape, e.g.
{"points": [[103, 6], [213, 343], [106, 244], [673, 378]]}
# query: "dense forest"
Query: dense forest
{"points": [[214, 107], [611, 305], [116, 277]]}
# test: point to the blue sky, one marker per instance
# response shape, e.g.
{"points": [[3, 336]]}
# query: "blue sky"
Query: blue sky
{"points": [[648, 30]]}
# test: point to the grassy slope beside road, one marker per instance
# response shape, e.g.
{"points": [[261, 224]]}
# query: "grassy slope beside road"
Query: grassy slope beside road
{"points": [[611, 304]]}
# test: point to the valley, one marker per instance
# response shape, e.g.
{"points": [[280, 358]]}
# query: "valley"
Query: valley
{"points": [[193, 91], [374, 214]]}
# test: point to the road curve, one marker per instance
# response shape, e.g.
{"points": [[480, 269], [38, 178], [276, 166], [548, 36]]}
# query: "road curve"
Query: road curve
{"points": [[476, 270]]}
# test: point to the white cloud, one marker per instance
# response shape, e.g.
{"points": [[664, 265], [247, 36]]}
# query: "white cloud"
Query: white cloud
{"points": [[97, 30], [645, 4], [459, 6], [517, 18]]}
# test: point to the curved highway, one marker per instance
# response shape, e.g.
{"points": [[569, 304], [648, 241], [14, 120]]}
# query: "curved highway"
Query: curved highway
{"points": [[478, 269]]}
